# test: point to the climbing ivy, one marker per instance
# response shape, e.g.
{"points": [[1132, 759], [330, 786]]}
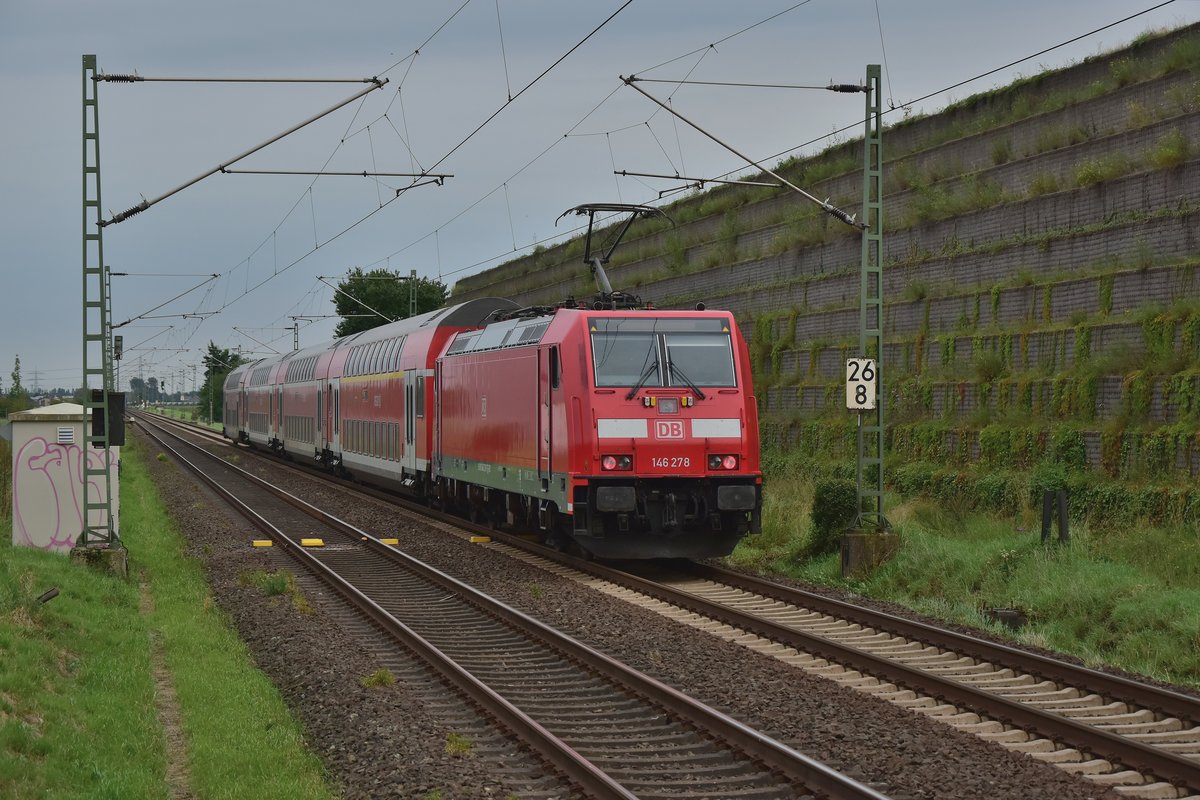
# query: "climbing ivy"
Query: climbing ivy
{"points": [[1106, 291], [1083, 343]]}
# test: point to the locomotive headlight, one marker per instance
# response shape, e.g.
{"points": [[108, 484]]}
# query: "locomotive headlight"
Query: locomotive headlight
{"points": [[616, 463]]}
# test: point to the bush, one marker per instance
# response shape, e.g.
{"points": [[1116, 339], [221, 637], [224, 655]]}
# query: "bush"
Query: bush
{"points": [[1068, 449], [834, 508], [1047, 476]]}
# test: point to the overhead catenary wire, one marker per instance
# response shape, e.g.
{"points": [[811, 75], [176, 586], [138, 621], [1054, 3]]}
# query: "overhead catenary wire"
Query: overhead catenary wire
{"points": [[722, 40], [686, 82], [503, 54], [703, 51], [313, 297], [318, 244], [325, 173], [679, 177], [256, 341], [883, 50], [146, 314], [825, 205], [145, 204], [910, 103], [340, 290], [135, 78]]}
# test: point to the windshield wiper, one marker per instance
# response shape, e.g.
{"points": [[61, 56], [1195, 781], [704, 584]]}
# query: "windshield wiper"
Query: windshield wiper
{"points": [[642, 380], [677, 371]]}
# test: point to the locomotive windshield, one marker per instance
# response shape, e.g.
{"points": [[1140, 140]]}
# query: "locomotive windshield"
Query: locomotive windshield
{"points": [[662, 352]]}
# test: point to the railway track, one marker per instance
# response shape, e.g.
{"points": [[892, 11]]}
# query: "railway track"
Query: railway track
{"points": [[1141, 740], [607, 729]]}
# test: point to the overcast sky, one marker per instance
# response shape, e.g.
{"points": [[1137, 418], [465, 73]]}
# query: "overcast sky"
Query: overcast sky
{"points": [[556, 145]]}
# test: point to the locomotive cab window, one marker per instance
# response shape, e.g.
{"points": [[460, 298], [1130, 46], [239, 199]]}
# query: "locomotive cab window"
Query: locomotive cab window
{"points": [[705, 359], [622, 359], [662, 352]]}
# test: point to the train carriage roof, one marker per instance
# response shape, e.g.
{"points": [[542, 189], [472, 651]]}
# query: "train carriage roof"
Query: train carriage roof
{"points": [[463, 315]]}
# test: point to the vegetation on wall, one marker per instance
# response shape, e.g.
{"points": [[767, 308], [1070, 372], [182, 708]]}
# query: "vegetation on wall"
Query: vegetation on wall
{"points": [[988, 377]]}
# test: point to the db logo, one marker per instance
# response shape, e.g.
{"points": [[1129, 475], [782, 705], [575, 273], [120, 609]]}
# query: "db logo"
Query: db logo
{"points": [[668, 429]]}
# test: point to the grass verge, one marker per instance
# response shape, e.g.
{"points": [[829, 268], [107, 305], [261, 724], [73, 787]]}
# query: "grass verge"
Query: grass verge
{"points": [[241, 739], [1125, 598], [77, 698]]}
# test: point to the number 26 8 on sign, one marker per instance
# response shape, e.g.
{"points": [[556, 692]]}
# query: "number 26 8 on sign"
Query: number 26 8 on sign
{"points": [[861, 377]]}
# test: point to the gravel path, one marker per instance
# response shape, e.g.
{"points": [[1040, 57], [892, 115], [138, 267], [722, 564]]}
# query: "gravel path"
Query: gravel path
{"points": [[376, 744]]}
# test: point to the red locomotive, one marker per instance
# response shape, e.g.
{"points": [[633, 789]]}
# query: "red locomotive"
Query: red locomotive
{"points": [[629, 432]]}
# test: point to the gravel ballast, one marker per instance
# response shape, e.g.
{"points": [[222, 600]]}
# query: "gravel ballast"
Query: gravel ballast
{"points": [[392, 748]]}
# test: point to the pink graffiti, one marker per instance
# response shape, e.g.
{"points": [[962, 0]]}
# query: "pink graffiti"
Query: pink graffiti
{"points": [[57, 471]]}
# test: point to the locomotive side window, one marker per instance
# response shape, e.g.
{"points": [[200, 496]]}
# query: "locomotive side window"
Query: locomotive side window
{"points": [[706, 359], [555, 369]]}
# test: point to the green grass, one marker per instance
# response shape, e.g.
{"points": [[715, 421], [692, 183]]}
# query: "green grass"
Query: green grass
{"points": [[194, 414], [77, 700], [1170, 151], [1126, 598], [77, 713], [458, 745], [380, 677], [1101, 170]]}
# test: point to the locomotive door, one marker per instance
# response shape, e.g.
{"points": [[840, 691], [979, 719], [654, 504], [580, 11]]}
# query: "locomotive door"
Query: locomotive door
{"points": [[546, 368]]}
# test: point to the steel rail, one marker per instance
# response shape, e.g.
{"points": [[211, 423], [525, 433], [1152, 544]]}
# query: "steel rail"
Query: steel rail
{"points": [[1155, 698], [1162, 763], [775, 755], [557, 752]]}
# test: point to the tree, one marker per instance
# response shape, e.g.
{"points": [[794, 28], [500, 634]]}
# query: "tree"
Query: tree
{"points": [[16, 390], [137, 392], [218, 363], [18, 398], [385, 292]]}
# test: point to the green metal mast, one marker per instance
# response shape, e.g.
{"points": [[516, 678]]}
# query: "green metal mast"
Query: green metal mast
{"points": [[97, 330], [870, 308]]}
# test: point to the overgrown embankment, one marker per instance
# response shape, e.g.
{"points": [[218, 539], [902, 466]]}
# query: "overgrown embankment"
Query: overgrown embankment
{"points": [[1042, 269]]}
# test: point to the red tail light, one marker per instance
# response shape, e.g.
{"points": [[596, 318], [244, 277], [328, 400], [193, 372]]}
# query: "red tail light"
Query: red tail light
{"points": [[616, 463], [720, 462]]}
